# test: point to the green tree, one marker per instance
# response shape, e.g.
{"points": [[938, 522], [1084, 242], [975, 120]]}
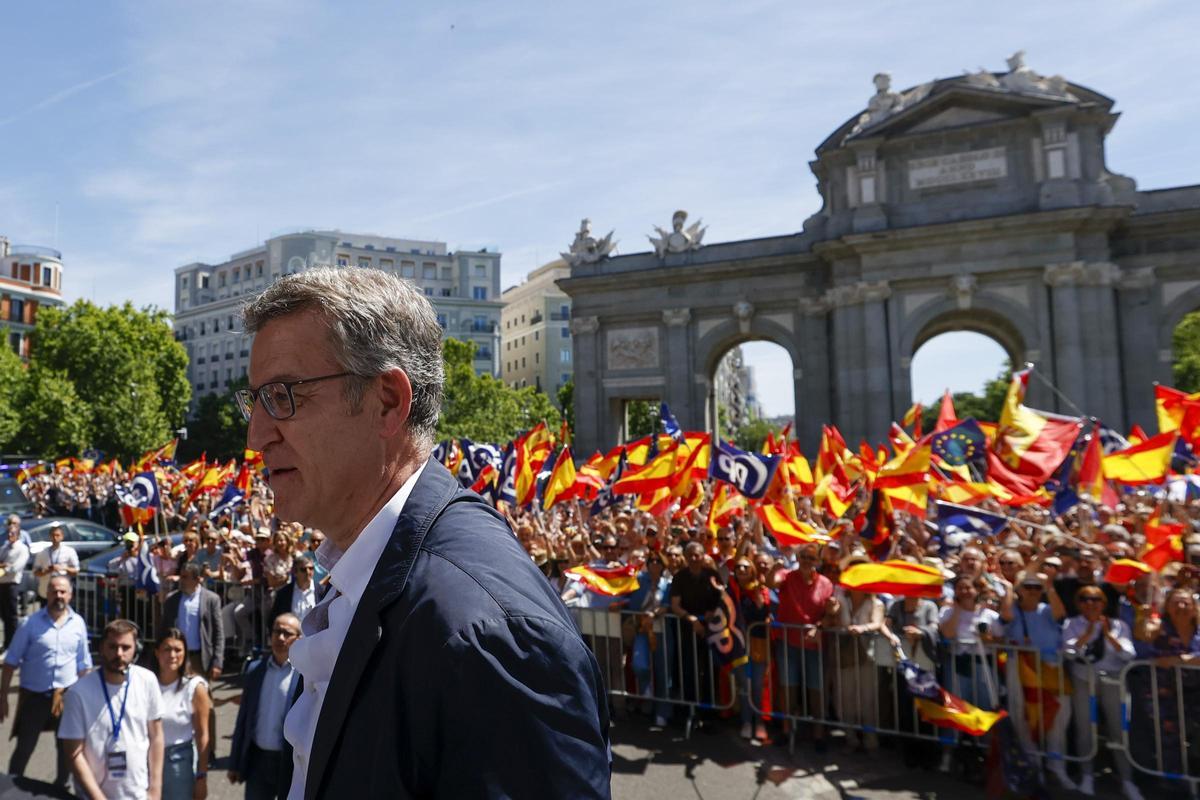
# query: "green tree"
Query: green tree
{"points": [[751, 436], [641, 418], [216, 428], [126, 369], [482, 407], [566, 402], [54, 420], [984, 407], [12, 382], [1186, 345]]}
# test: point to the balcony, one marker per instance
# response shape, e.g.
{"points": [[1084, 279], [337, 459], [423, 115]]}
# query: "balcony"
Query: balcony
{"points": [[477, 327], [483, 354], [537, 317], [558, 316]]}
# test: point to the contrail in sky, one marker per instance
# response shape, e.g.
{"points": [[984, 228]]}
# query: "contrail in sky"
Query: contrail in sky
{"points": [[541, 187], [61, 95]]}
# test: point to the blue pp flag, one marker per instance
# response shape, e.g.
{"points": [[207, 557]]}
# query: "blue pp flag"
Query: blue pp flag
{"points": [[142, 491], [670, 424], [229, 501], [147, 575], [749, 473], [958, 523]]}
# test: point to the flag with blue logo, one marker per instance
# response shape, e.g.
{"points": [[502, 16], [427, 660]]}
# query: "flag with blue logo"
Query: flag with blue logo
{"points": [[959, 524], [962, 445], [670, 424], [749, 473], [229, 501], [147, 575], [142, 491], [507, 489]]}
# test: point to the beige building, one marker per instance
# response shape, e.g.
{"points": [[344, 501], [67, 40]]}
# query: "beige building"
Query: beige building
{"points": [[535, 331]]}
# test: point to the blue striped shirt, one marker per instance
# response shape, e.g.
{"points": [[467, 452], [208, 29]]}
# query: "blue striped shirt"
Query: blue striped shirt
{"points": [[49, 656]]}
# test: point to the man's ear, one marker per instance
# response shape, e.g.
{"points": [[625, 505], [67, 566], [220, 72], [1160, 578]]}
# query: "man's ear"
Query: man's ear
{"points": [[395, 395]]}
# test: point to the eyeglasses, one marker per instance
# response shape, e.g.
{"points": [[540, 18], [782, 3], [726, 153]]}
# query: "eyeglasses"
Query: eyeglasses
{"points": [[284, 632], [305, 569], [1091, 599], [276, 397]]}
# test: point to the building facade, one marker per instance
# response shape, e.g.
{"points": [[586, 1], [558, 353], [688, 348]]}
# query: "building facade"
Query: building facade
{"points": [[30, 277], [535, 331], [463, 286], [981, 202]]}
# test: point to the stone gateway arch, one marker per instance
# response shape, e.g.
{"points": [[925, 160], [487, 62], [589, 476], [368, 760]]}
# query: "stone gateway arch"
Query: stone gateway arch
{"points": [[976, 203]]}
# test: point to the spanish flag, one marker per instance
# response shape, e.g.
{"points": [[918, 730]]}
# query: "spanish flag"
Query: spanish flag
{"points": [[1125, 570], [912, 419], [786, 530], [487, 477], [726, 504], [1143, 463], [968, 494], [608, 581], [1091, 471], [1174, 408], [901, 578], [561, 483], [947, 417], [954, 712], [904, 481], [1166, 551], [656, 475]]}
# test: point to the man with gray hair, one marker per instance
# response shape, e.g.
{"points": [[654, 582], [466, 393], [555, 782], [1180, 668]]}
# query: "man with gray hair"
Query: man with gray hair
{"points": [[438, 644]]}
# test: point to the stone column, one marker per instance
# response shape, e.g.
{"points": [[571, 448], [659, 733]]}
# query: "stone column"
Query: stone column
{"points": [[862, 398], [813, 379], [1140, 308], [679, 390], [1086, 339], [590, 414]]}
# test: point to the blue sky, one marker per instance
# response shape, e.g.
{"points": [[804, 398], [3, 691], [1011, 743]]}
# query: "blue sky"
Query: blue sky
{"points": [[170, 132]]}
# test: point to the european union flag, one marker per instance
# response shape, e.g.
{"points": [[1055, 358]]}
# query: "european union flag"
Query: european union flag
{"points": [[960, 445]]}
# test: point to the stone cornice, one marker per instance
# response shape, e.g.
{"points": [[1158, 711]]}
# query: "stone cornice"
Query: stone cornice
{"points": [[1081, 273]]}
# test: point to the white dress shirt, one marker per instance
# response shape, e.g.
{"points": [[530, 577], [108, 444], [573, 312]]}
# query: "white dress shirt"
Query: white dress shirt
{"points": [[315, 654], [303, 600]]}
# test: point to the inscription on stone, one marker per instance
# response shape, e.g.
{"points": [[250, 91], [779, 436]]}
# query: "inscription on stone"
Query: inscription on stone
{"points": [[948, 170]]}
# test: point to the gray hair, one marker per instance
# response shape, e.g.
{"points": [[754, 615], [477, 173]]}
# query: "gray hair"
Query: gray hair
{"points": [[379, 323]]}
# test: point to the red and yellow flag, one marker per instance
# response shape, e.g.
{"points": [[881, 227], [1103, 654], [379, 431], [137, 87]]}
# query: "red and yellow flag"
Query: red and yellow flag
{"points": [[1143, 463], [901, 578], [954, 712], [561, 483], [726, 503], [608, 581], [1125, 570], [787, 530], [656, 475]]}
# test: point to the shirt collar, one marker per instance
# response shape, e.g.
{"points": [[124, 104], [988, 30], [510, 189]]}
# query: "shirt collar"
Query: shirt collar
{"points": [[350, 570]]}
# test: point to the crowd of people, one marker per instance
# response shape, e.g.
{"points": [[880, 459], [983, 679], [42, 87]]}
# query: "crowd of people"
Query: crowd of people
{"points": [[234, 587]]}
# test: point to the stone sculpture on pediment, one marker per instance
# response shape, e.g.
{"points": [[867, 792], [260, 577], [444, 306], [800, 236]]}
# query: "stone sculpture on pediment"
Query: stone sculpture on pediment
{"points": [[885, 103], [1020, 79], [678, 239], [587, 249]]}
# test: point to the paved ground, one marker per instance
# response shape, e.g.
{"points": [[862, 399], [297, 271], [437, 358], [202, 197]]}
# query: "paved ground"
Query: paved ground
{"points": [[651, 763]]}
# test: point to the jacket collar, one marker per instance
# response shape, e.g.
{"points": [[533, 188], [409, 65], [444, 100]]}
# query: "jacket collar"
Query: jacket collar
{"points": [[434, 489]]}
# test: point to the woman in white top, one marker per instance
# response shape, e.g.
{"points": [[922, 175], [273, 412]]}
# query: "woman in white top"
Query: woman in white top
{"points": [[185, 713], [1095, 648]]}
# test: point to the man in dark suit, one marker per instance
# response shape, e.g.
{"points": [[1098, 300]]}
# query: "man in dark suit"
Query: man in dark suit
{"points": [[441, 663], [260, 755], [302, 593], [197, 612]]}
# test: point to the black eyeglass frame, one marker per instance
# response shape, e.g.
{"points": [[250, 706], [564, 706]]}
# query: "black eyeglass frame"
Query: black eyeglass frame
{"points": [[246, 398]]}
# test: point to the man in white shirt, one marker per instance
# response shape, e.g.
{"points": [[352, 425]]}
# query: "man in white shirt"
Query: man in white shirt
{"points": [[14, 555], [112, 723], [438, 630], [57, 559]]}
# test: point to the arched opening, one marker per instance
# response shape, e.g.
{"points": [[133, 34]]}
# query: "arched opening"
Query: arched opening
{"points": [[752, 391], [966, 363], [1185, 353]]}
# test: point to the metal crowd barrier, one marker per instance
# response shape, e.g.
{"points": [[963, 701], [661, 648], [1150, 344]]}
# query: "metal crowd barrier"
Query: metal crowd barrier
{"points": [[656, 659], [245, 610], [1160, 720]]}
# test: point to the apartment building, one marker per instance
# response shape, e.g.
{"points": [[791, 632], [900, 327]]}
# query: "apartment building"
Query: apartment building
{"points": [[535, 331], [30, 277]]}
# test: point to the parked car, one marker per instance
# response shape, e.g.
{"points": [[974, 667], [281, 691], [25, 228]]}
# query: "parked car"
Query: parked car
{"points": [[12, 499], [87, 538], [98, 599]]}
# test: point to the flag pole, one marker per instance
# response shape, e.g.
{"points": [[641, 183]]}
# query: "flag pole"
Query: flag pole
{"points": [[1049, 528]]}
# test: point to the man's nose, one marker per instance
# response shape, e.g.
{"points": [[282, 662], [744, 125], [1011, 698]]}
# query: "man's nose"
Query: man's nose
{"points": [[262, 428]]}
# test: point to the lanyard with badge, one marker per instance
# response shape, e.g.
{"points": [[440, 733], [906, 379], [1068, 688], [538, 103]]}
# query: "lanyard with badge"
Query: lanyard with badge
{"points": [[115, 759]]}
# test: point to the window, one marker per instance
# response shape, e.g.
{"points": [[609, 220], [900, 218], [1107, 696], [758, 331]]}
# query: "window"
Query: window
{"points": [[364, 262], [221, 280], [16, 310], [25, 272], [441, 318], [429, 271], [183, 282], [229, 325], [447, 275], [428, 291], [343, 260], [202, 327], [479, 292], [203, 281], [408, 269], [522, 341], [565, 311], [481, 323], [522, 362], [237, 275], [566, 377], [46, 278], [537, 335], [386, 264], [446, 292], [564, 356], [217, 325], [537, 358], [258, 269], [565, 332], [481, 270]]}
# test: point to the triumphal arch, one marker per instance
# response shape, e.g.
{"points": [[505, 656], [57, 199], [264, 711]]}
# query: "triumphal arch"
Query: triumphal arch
{"points": [[981, 202]]}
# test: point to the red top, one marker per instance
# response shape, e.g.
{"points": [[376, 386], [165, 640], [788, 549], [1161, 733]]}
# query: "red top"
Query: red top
{"points": [[802, 603]]}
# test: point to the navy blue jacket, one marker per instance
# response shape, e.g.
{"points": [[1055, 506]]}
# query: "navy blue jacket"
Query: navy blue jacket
{"points": [[243, 730], [462, 673]]}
